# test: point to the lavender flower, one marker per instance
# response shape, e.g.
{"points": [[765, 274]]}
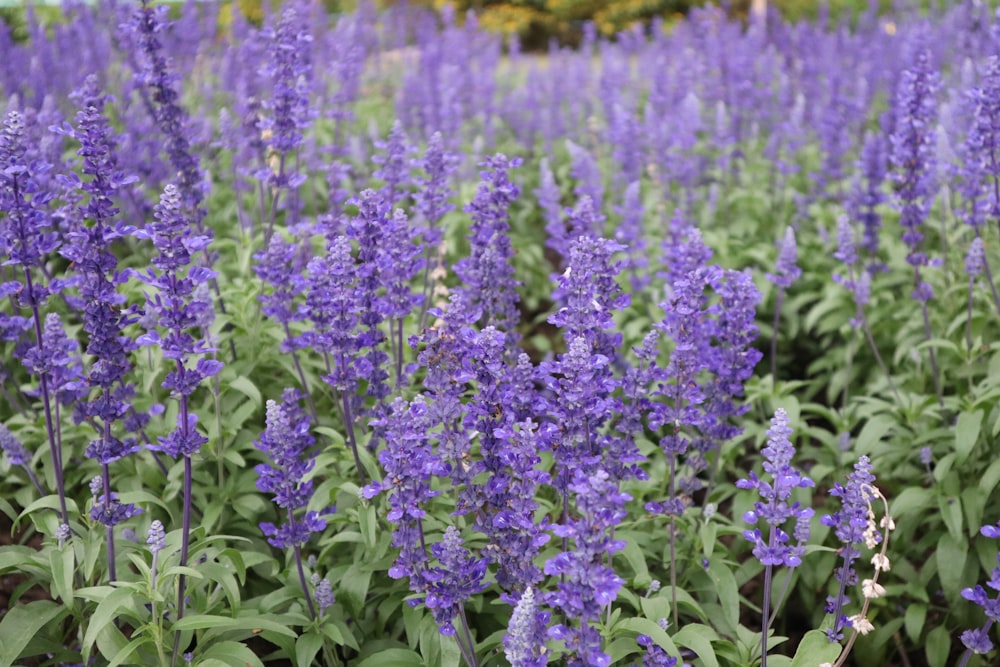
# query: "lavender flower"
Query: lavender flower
{"points": [[775, 509], [458, 577], [654, 656], [985, 130], [367, 229], [409, 464], [866, 192], [16, 455], [148, 23], [394, 164], [524, 643], [26, 237], [323, 593], [786, 269], [433, 192], [489, 289], [977, 640], [285, 442], [852, 527], [912, 154], [586, 583]]}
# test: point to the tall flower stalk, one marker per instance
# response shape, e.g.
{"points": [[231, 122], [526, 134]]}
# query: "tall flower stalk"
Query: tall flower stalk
{"points": [[786, 273], [775, 509], [286, 442], [181, 314], [913, 156], [27, 238]]}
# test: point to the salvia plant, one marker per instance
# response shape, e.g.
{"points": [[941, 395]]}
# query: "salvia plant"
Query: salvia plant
{"points": [[371, 339]]}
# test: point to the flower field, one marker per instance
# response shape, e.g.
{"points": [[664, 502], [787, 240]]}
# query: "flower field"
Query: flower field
{"points": [[368, 340]]}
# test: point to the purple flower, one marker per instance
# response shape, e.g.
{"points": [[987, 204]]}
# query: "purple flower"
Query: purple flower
{"points": [[156, 537], [488, 293], [654, 656], [984, 135], [147, 26], [286, 442], [178, 306], [458, 577], [367, 229], [290, 71], [866, 192], [524, 643], [394, 164], [975, 259], [977, 640], [913, 150], [589, 295], [13, 449], [786, 269], [774, 507], [433, 192], [587, 584], [851, 525], [409, 464], [323, 593]]}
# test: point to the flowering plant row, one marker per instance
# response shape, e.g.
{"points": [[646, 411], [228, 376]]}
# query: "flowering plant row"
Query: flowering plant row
{"points": [[355, 341]]}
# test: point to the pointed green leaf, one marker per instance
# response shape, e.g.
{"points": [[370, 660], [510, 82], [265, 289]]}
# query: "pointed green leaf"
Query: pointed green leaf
{"points": [[22, 623]]}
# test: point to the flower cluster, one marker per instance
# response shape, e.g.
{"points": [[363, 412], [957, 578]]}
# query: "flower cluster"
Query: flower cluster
{"points": [[586, 583], [286, 442], [854, 525], [774, 507], [978, 640]]}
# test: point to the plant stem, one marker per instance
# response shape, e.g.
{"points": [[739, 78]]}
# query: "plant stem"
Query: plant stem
{"points": [[774, 334], [302, 574]]}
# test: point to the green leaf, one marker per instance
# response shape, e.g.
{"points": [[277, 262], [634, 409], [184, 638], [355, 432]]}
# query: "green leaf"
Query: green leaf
{"points": [[105, 614], [243, 385], [938, 646], [644, 626], [874, 430], [914, 619], [951, 554], [637, 561], [62, 563], [233, 654], [393, 657], [353, 587], [227, 624], [307, 646], [815, 649], [728, 591], [13, 557], [124, 656], [991, 478], [22, 623], [698, 638], [967, 433], [951, 514], [912, 500]]}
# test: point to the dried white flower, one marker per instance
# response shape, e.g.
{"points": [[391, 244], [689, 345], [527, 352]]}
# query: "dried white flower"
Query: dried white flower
{"points": [[872, 589], [881, 562], [862, 625]]}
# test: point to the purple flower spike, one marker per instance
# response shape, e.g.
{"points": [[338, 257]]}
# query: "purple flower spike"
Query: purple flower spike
{"points": [[774, 507], [786, 268], [459, 577], [489, 288], [285, 441], [654, 656], [852, 527], [524, 643]]}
